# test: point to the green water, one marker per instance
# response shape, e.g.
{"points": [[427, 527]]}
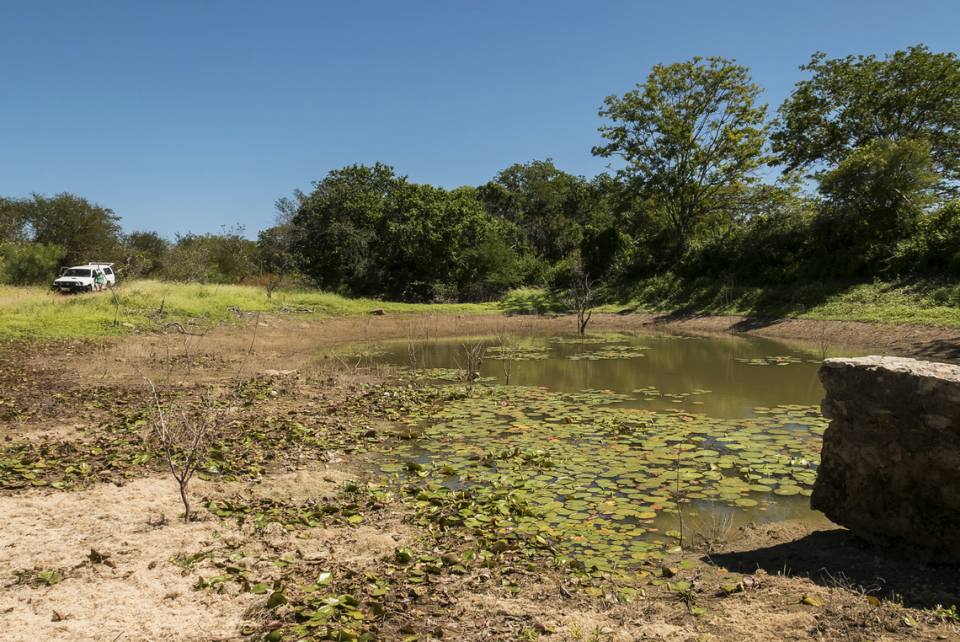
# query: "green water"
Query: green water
{"points": [[616, 446], [672, 364]]}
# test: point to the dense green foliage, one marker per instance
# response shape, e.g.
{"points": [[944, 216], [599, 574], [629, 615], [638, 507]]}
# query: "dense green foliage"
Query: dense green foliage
{"points": [[30, 263], [849, 103], [366, 231], [870, 151], [691, 136]]}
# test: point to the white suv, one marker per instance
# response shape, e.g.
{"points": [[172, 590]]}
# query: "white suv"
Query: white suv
{"points": [[84, 277]]}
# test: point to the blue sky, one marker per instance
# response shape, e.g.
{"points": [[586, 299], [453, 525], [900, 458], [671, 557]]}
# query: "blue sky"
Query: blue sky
{"points": [[189, 116]]}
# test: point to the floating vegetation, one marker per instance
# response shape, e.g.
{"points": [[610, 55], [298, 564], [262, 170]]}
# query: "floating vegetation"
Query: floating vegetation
{"points": [[449, 374], [587, 340], [651, 394], [518, 354], [591, 478], [615, 352], [368, 353], [770, 361]]}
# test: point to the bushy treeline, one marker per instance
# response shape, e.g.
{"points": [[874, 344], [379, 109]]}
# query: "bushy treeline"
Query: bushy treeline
{"points": [[40, 234], [367, 231], [867, 154]]}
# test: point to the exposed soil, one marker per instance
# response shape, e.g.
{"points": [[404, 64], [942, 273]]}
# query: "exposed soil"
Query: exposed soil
{"points": [[930, 343], [786, 581]]}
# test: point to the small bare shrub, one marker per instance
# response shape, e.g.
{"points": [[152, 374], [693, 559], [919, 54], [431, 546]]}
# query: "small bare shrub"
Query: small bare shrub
{"points": [[417, 336], [185, 428], [823, 339], [508, 340], [184, 431], [471, 355]]}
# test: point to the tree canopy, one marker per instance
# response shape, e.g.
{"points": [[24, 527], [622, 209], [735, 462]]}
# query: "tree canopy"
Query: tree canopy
{"points": [[548, 206], [850, 102], [880, 137], [691, 136], [365, 230], [87, 231]]}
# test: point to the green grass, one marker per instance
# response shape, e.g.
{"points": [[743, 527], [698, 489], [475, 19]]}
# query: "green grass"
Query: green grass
{"points": [[41, 313], [900, 301]]}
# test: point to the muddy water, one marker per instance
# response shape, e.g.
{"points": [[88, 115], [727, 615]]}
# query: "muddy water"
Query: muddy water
{"points": [[724, 378], [672, 365]]}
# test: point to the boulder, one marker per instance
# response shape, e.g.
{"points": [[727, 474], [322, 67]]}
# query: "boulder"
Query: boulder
{"points": [[890, 466]]}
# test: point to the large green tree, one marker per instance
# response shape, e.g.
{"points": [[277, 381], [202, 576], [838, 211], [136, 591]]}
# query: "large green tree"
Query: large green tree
{"points": [[548, 206], [879, 192], [13, 225], [343, 225], [87, 231], [142, 253], [691, 138], [365, 230], [850, 102], [29, 263]]}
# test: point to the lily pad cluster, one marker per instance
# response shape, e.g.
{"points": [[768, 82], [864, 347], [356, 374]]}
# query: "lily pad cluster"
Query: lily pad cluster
{"points": [[603, 340], [652, 394], [613, 352], [596, 479], [244, 450], [448, 374], [523, 353]]}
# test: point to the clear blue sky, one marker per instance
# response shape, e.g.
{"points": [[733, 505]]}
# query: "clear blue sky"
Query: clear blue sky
{"points": [[186, 116]]}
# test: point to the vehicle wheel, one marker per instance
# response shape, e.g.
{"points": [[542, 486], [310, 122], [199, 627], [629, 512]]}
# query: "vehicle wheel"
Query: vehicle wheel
{"points": [[89, 288]]}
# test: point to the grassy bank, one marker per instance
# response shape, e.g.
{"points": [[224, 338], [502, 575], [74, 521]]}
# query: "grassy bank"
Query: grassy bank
{"points": [[900, 301], [41, 313], [903, 301]]}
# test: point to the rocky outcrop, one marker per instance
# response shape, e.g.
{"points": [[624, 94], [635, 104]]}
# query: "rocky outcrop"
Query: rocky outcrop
{"points": [[890, 466]]}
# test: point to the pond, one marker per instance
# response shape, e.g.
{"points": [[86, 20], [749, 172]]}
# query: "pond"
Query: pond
{"points": [[613, 448]]}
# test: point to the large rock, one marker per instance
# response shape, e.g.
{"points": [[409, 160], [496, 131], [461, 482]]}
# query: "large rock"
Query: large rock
{"points": [[890, 466]]}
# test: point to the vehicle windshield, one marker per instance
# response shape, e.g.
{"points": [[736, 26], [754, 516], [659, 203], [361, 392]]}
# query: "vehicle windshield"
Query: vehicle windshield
{"points": [[77, 272]]}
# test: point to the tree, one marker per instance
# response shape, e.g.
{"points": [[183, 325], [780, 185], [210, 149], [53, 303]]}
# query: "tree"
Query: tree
{"points": [[29, 263], [850, 102], [142, 253], [277, 245], [13, 226], [547, 205], [581, 293], [881, 189], [366, 231], [189, 260], [87, 231], [343, 222], [691, 138], [233, 257]]}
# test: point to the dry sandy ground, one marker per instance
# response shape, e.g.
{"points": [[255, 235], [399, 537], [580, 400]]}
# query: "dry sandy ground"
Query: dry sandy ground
{"points": [[145, 597], [142, 596]]}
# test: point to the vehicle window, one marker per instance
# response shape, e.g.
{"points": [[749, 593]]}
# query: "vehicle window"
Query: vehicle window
{"points": [[77, 273], [107, 270]]}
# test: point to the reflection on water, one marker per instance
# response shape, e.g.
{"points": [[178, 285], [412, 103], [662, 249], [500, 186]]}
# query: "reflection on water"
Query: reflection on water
{"points": [[672, 365]]}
